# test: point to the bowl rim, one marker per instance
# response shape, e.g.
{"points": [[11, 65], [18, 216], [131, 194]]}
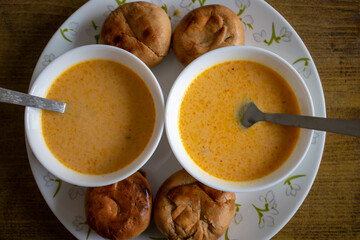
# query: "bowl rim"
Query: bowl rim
{"points": [[42, 83], [174, 100]]}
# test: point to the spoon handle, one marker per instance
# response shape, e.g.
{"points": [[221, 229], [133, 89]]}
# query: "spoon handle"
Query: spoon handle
{"points": [[348, 127], [18, 98]]}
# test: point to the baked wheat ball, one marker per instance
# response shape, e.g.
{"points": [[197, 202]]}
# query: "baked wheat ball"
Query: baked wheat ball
{"points": [[142, 28], [121, 210], [187, 209], [204, 29]]}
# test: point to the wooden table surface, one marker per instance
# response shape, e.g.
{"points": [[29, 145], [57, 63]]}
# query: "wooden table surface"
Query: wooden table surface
{"points": [[330, 30]]}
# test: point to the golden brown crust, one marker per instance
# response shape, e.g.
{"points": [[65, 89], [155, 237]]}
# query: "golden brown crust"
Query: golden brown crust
{"points": [[187, 209], [141, 28], [204, 29], [121, 210]]}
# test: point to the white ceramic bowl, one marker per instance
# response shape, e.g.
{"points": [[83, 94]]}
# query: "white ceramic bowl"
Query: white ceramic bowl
{"points": [[40, 88], [223, 55]]}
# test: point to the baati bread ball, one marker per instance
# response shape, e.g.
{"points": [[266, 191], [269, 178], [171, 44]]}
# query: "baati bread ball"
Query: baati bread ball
{"points": [[204, 29], [142, 28], [187, 209], [121, 210]]}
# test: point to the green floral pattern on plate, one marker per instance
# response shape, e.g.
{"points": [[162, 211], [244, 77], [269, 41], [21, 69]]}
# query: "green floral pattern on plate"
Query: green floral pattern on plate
{"points": [[247, 20], [80, 223], [302, 66], [50, 181], [93, 30], [70, 31], [291, 187], [120, 2], [48, 58], [284, 35], [266, 213]]}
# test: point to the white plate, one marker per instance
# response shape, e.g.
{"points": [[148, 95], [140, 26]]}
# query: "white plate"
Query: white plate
{"points": [[259, 215]]}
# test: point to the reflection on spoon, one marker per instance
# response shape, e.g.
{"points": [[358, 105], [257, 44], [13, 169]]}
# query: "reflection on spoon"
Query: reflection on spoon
{"points": [[249, 114], [18, 98]]}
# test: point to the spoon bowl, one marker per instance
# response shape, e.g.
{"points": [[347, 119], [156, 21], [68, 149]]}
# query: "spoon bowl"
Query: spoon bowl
{"points": [[218, 56], [40, 87]]}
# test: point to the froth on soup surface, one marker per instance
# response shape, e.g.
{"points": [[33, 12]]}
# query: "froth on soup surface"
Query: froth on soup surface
{"points": [[109, 118], [209, 123]]}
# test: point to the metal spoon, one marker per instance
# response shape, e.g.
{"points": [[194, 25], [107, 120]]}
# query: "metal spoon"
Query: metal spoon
{"points": [[250, 114], [18, 98]]}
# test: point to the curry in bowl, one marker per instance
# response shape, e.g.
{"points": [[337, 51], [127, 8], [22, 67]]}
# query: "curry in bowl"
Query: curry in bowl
{"points": [[204, 128], [109, 119], [210, 127], [113, 120]]}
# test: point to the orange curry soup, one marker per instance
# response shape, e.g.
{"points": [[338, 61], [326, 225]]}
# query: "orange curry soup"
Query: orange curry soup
{"points": [[109, 118], [211, 131]]}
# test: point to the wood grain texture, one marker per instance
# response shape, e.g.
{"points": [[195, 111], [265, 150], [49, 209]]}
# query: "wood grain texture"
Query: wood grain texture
{"points": [[331, 31]]}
